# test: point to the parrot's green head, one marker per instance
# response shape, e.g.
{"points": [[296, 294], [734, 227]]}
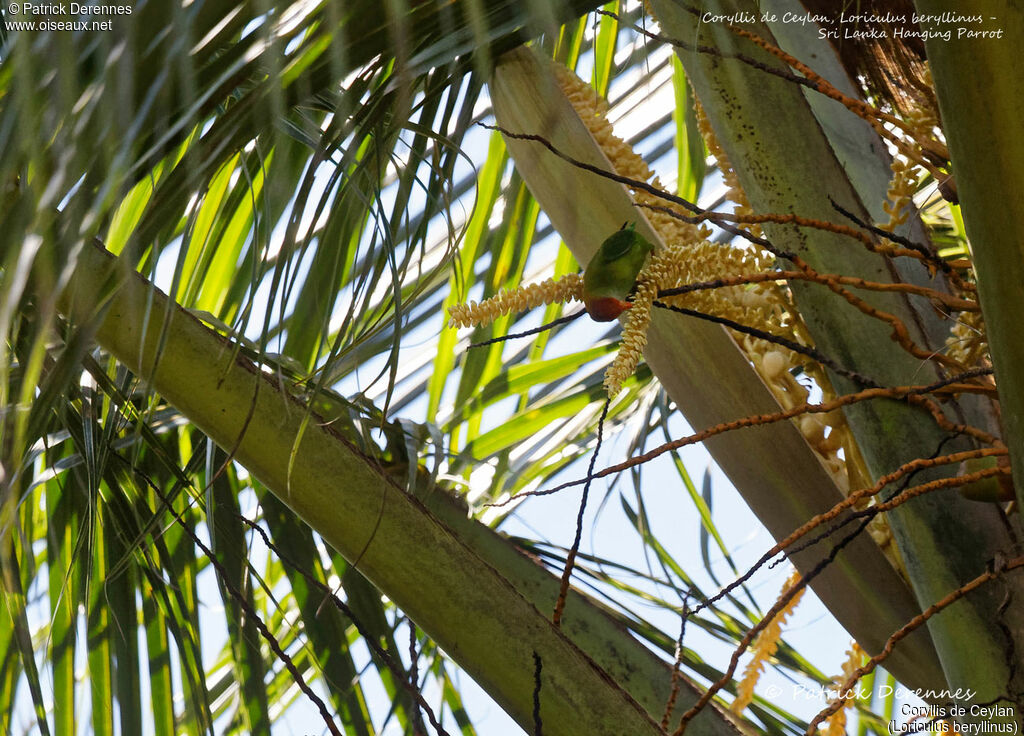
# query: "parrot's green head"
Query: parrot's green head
{"points": [[611, 274]]}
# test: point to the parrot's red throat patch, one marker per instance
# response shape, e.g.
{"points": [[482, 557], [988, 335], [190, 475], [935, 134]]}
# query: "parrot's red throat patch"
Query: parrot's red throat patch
{"points": [[605, 308]]}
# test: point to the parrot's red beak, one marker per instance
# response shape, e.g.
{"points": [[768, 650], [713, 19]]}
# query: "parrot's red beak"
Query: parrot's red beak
{"points": [[605, 308]]}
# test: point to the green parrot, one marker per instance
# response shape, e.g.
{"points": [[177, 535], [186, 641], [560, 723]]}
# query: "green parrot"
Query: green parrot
{"points": [[992, 489], [611, 273]]}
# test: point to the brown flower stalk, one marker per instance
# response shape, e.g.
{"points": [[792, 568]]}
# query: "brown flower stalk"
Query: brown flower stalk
{"points": [[912, 394], [953, 302]]}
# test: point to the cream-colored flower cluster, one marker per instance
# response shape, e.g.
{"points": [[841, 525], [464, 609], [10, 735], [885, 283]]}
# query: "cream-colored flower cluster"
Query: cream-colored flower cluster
{"points": [[663, 267], [825, 433], [765, 646], [735, 192], [566, 289], [967, 343], [633, 341], [757, 305], [836, 723], [922, 122], [900, 196], [593, 111]]}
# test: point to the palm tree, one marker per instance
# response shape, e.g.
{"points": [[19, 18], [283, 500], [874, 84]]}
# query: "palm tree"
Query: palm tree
{"points": [[301, 182]]}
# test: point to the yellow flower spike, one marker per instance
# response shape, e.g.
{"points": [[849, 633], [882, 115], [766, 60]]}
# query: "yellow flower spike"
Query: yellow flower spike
{"points": [[836, 723], [592, 110], [765, 646], [566, 289], [663, 270], [735, 192], [900, 196], [633, 342]]}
